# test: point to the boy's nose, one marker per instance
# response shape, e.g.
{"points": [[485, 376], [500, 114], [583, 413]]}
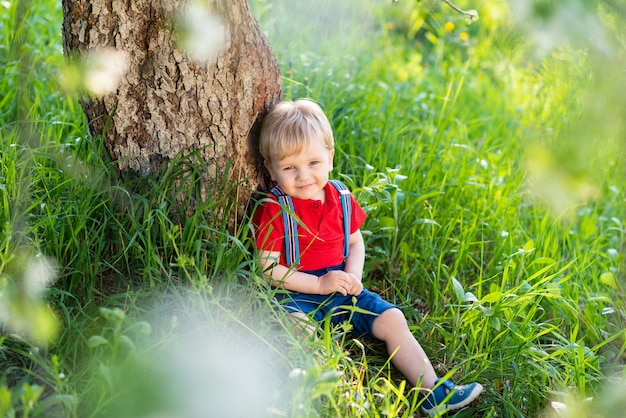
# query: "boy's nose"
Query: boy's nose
{"points": [[302, 174]]}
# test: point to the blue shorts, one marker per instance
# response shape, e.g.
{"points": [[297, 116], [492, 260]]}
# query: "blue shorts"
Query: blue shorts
{"points": [[339, 306]]}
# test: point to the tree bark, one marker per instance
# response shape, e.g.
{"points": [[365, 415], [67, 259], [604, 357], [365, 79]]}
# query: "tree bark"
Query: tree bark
{"points": [[168, 105]]}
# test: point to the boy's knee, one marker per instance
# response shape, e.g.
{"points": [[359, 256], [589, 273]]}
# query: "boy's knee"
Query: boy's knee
{"points": [[394, 314], [302, 323], [392, 320]]}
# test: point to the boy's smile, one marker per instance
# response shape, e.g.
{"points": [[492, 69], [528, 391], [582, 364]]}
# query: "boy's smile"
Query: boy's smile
{"points": [[304, 175]]}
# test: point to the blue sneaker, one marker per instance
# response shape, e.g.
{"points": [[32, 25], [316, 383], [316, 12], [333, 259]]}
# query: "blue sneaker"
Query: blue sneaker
{"points": [[446, 396]]}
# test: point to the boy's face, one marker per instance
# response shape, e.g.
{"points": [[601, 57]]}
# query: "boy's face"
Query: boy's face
{"points": [[304, 175]]}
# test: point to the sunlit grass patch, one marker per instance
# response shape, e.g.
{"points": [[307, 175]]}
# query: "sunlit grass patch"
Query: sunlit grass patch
{"points": [[439, 138]]}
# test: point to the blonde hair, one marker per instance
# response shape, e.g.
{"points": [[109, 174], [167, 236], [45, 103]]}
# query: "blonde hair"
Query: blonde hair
{"points": [[289, 126]]}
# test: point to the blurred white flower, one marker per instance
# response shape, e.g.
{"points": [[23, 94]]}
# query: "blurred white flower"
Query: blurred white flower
{"points": [[560, 26], [295, 373], [104, 69], [22, 308], [203, 33], [40, 273], [559, 407]]}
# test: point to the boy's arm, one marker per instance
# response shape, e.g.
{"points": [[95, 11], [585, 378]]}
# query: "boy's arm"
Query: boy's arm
{"points": [[356, 255], [355, 262], [289, 279], [297, 281]]}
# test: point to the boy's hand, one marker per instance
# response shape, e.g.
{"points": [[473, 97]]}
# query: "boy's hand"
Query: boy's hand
{"points": [[357, 286], [341, 282]]}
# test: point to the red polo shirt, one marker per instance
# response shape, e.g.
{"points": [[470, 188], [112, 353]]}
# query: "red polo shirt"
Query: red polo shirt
{"points": [[321, 241]]}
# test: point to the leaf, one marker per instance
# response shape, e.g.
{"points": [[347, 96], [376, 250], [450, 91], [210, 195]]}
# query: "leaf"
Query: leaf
{"points": [[124, 340], [115, 315], [70, 402], [588, 228], [96, 341], [5, 401], [331, 376], [544, 260], [140, 327], [495, 323], [427, 221], [30, 394], [529, 246], [608, 278], [432, 38], [387, 222], [470, 297], [407, 250], [105, 371], [492, 297], [608, 310], [487, 311], [458, 289]]}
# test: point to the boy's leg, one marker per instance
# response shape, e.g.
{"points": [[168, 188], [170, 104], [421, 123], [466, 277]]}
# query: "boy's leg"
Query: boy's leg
{"points": [[303, 325], [407, 354], [304, 310], [409, 357]]}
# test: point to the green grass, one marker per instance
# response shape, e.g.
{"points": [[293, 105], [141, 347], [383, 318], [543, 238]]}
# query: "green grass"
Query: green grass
{"points": [[493, 182]]}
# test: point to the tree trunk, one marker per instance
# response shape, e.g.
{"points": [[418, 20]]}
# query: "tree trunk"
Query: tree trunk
{"points": [[168, 105]]}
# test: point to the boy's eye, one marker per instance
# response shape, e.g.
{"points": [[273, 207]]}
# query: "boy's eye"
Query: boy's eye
{"points": [[288, 168], [314, 163]]}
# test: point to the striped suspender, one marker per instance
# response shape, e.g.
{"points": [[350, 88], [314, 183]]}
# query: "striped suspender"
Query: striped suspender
{"points": [[346, 208], [292, 249]]}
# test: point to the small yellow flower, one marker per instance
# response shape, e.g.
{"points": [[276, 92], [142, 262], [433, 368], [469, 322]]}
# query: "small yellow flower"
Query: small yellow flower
{"points": [[389, 25], [463, 36], [448, 27]]}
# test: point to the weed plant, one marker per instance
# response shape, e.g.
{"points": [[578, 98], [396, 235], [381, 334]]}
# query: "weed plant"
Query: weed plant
{"points": [[491, 223]]}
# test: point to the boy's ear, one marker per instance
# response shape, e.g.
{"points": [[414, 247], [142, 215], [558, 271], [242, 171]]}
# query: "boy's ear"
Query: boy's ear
{"points": [[269, 169], [331, 154]]}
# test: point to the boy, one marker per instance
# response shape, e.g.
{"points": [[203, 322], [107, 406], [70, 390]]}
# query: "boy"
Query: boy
{"points": [[308, 250]]}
